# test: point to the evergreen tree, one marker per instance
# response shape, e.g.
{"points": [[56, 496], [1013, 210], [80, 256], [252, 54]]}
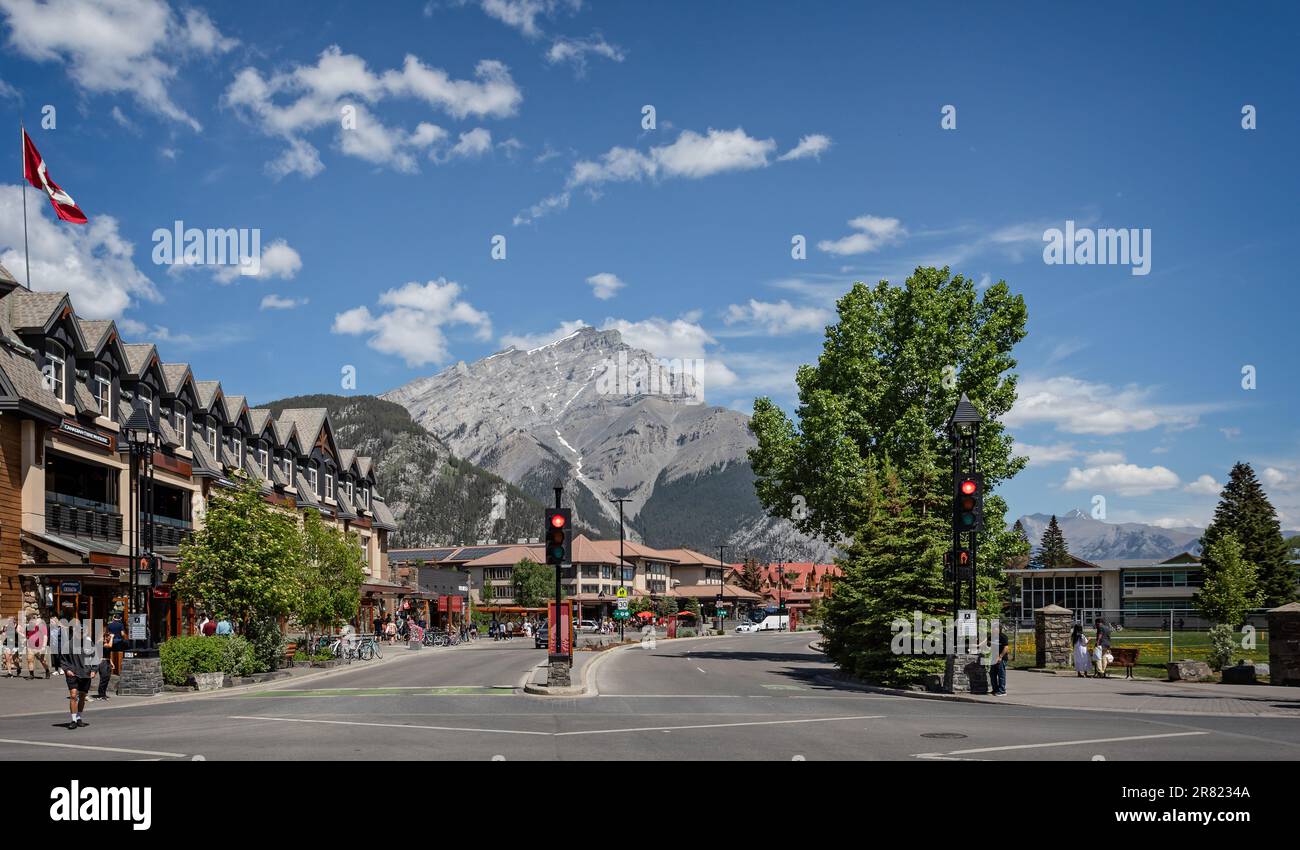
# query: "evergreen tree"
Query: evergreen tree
{"points": [[1052, 552], [751, 578], [1245, 512], [891, 570]]}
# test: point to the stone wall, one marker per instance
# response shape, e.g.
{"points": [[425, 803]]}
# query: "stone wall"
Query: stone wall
{"points": [[1284, 645], [140, 676]]}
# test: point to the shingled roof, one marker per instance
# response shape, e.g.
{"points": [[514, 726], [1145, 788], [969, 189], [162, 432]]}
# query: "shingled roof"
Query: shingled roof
{"points": [[174, 376], [308, 421], [138, 355], [207, 391]]}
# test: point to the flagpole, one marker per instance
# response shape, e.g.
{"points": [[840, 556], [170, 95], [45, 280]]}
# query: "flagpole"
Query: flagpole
{"points": [[27, 254]]}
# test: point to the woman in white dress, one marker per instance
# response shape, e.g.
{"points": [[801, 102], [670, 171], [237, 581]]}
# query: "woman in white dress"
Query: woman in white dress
{"points": [[1082, 663]]}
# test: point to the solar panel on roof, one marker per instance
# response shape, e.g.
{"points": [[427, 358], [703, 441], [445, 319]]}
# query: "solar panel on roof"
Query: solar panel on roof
{"points": [[477, 552]]}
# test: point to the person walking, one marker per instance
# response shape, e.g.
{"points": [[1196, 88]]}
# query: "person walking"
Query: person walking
{"points": [[998, 670], [76, 658], [224, 627], [117, 629], [1103, 647], [1079, 640], [209, 627], [11, 649], [37, 641], [105, 666]]}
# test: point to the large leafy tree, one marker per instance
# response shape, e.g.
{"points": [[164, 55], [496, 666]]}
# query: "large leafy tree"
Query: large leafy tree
{"points": [[330, 575], [1232, 589], [891, 371], [1052, 551], [244, 562], [1245, 512], [534, 583]]}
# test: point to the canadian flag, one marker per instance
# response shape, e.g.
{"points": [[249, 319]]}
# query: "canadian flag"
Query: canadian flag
{"points": [[34, 170]]}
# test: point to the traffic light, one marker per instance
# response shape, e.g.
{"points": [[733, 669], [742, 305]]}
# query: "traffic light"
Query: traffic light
{"points": [[968, 503], [559, 536]]}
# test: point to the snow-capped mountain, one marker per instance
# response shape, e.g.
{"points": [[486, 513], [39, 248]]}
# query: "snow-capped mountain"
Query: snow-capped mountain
{"points": [[606, 421], [1096, 540]]}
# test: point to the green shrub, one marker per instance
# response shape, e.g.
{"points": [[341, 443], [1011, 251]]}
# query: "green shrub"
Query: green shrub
{"points": [[182, 657], [685, 633], [238, 657], [1223, 643], [323, 656], [301, 658], [268, 643]]}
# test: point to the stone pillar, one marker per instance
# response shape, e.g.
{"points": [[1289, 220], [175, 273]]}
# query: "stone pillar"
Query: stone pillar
{"points": [[1284, 645], [1052, 627], [141, 675], [966, 674], [558, 672]]}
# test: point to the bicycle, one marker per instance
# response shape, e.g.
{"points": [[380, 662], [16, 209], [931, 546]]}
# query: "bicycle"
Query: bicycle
{"points": [[368, 649]]}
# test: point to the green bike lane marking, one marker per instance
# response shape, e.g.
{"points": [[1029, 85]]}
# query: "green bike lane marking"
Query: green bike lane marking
{"points": [[468, 690]]}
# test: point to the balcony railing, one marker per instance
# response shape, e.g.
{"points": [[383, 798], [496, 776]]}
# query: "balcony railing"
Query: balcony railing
{"points": [[74, 517], [170, 532]]}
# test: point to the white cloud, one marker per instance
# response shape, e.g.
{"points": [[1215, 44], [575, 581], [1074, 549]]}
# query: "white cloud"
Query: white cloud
{"points": [[168, 153], [1104, 458], [1174, 522], [544, 207], [676, 339], [691, 156], [8, 91], [813, 146], [527, 342], [1126, 479], [412, 325], [278, 260], [115, 46], [92, 262], [1081, 407], [1230, 432], [575, 50], [275, 302], [471, 145], [523, 14], [1274, 477], [780, 317], [873, 232], [1040, 455], [605, 285], [306, 98], [1204, 486]]}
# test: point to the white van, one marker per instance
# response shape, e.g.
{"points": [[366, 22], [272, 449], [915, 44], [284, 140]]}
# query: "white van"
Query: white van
{"points": [[773, 623]]}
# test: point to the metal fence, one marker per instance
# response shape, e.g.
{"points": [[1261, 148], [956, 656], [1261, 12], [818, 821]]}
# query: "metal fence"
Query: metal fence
{"points": [[1178, 632]]}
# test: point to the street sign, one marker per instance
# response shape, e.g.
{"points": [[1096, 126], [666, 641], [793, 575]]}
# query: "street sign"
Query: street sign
{"points": [[622, 604], [620, 614], [138, 628], [622, 592], [966, 623]]}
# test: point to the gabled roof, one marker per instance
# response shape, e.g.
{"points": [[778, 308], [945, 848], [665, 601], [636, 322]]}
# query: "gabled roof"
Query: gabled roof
{"points": [[174, 375], [363, 467], [208, 392], [34, 311], [235, 408], [95, 332], [258, 418], [138, 357], [586, 551], [285, 433], [383, 516], [634, 550], [689, 557], [348, 461], [308, 422], [24, 386]]}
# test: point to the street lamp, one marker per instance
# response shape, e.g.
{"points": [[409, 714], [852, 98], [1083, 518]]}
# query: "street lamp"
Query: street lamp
{"points": [[722, 586], [621, 562], [141, 442]]}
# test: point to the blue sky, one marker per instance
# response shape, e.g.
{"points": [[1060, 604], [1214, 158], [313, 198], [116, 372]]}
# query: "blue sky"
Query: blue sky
{"points": [[523, 118]]}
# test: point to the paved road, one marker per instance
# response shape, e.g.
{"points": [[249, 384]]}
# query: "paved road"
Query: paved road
{"points": [[738, 698]]}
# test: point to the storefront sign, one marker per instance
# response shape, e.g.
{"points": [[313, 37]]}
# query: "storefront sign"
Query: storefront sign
{"points": [[69, 587], [89, 435]]}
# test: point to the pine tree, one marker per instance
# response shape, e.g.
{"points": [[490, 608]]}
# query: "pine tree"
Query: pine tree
{"points": [[891, 570], [1245, 512], [1052, 551], [751, 578]]}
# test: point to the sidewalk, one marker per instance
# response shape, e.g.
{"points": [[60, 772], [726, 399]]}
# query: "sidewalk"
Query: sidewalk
{"points": [[24, 696], [1141, 696]]}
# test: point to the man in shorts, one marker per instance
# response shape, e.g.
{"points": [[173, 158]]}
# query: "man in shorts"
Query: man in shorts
{"points": [[78, 659], [37, 636]]}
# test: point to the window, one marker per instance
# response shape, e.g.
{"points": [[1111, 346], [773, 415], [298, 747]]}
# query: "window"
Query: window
{"points": [[329, 485], [312, 480], [237, 446], [264, 460], [181, 415], [629, 574], [349, 489], [55, 369], [212, 436], [144, 397], [365, 498], [606, 572], [288, 469], [591, 588], [101, 387], [1081, 594], [590, 571]]}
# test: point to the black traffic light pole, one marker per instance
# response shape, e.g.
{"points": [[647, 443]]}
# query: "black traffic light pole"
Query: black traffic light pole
{"points": [[558, 570], [964, 428]]}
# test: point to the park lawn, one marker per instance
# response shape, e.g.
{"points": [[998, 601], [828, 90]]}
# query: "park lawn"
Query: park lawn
{"points": [[1153, 650]]}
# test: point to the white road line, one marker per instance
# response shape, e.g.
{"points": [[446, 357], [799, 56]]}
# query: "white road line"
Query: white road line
{"points": [[389, 725], [88, 747], [717, 725], [1068, 743], [701, 669]]}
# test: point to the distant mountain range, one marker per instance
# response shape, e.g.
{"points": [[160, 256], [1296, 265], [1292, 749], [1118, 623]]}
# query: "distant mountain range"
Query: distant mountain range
{"points": [[1096, 540], [606, 421]]}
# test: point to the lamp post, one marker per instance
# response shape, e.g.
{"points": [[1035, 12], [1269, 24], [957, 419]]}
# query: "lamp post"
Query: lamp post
{"points": [[621, 562], [722, 586], [141, 441]]}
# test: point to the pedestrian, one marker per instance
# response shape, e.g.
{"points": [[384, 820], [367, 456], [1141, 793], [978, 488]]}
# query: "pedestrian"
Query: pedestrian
{"points": [[117, 629], [77, 660], [224, 627], [105, 666], [10, 650], [37, 641], [209, 627], [390, 630], [998, 670], [1079, 640], [378, 623], [1102, 651], [202, 628]]}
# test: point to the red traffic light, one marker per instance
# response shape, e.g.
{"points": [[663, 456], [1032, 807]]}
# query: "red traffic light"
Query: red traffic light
{"points": [[557, 520], [968, 487]]}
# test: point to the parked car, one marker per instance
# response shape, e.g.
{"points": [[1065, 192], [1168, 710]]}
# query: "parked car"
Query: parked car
{"points": [[540, 636], [747, 627], [587, 627]]}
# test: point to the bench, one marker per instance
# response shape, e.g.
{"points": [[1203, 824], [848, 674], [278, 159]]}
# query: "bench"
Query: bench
{"points": [[1125, 657]]}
